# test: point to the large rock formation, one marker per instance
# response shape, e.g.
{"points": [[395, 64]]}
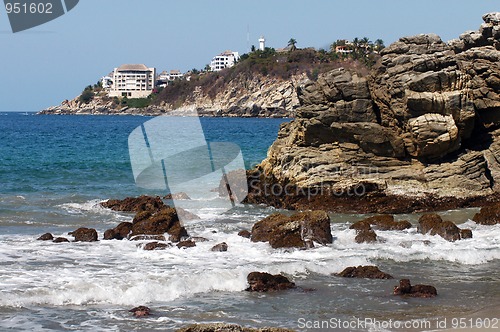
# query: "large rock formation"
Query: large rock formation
{"points": [[420, 132]]}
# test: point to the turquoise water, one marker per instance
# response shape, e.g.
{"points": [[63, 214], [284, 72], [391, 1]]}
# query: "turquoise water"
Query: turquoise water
{"points": [[54, 171]]}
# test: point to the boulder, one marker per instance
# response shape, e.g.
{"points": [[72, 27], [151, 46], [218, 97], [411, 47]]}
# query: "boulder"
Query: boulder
{"points": [[283, 231], [406, 289], [84, 235], [141, 311], [465, 234], [245, 234], [488, 215], [60, 240], [265, 282], [220, 247], [148, 238], [159, 222], [180, 196], [134, 204], [46, 237], [370, 272], [366, 236], [120, 232], [156, 246], [433, 224], [186, 244]]}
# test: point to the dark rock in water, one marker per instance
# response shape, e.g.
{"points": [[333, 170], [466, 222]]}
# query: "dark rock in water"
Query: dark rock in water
{"points": [[220, 247], [156, 246], [60, 240], [366, 236], [286, 232], [221, 327], [370, 272], [465, 234], [134, 204], [120, 232], [488, 215], [180, 196], [141, 311], [361, 225], [433, 224], [198, 239], [148, 237], [265, 282], [245, 234], [160, 222], [84, 234], [186, 244], [46, 237], [387, 223], [406, 289]]}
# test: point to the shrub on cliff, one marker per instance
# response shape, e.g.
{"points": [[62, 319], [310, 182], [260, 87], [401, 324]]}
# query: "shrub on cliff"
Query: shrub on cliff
{"points": [[87, 95]]}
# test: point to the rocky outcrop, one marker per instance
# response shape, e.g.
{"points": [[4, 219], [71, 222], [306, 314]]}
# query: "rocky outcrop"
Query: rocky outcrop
{"points": [[265, 282], [46, 237], [406, 289], [488, 215], [387, 223], [120, 232], [159, 222], [369, 272], [257, 97], [419, 133], [134, 204], [282, 231], [84, 235], [364, 232], [434, 225]]}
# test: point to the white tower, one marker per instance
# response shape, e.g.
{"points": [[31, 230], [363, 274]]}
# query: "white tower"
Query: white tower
{"points": [[262, 43]]}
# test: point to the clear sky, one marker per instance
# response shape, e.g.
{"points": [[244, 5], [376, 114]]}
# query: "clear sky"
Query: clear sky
{"points": [[43, 66]]}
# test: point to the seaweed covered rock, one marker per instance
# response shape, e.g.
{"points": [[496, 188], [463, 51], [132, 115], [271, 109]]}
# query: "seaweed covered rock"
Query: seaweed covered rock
{"points": [[283, 231]]}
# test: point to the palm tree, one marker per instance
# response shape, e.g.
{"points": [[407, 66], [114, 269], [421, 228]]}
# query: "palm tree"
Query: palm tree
{"points": [[379, 45], [291, 44]]}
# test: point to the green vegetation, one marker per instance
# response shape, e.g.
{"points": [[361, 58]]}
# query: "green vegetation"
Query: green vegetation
{"points": [[87, 95]]}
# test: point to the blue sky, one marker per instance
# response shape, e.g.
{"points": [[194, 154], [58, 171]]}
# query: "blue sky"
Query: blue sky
{"points": [[55, 61]]}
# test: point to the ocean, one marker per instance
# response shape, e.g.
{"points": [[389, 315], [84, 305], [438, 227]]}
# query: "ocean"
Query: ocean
{"points": [[54, 172]]}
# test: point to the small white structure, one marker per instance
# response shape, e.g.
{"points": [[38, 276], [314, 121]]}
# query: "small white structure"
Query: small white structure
{"points": [[224, 60], [107, 82], [262, 43], [133, 81]]}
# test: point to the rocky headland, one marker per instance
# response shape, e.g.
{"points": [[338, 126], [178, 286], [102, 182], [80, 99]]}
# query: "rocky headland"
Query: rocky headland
{"points": [[420, 132]]}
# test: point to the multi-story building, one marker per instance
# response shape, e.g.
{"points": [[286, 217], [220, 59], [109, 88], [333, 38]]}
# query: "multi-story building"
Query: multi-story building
{"points": [[133, 81], [224, 60]]}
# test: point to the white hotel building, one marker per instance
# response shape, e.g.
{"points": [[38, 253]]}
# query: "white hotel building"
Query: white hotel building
{"points": [[133, 81], [224, 60]]}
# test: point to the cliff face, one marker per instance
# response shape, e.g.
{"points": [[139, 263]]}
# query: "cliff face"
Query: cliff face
{"points": [[258, 97], [423, 124]]}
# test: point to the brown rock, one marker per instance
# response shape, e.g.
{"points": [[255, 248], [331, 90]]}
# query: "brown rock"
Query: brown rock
{"points": [[366, 236], [387, 223], [265, 282], [465, 234], [60, 240], [141, 311], [285, 232], [160, 222], [406, 289], [186, 244], [148, 237], [120, 232], [84, 234], [220, 247], [488, 215], [370, 272], [180, 196], [46, 237], [245, 233], [433, 224], [361, 225], [156, 246], [134, 204]]}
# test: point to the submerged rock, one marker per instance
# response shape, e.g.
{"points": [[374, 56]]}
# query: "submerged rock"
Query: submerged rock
{"points": [[265, 282], [141, 311], [220, 247], [364, 232], [46, 237], [245, 234], [282, 231], [84, 235], [406, 289], [433, 224], [387, 223], [156, 246], [370, 272], [60, 240], [186, 244]]}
